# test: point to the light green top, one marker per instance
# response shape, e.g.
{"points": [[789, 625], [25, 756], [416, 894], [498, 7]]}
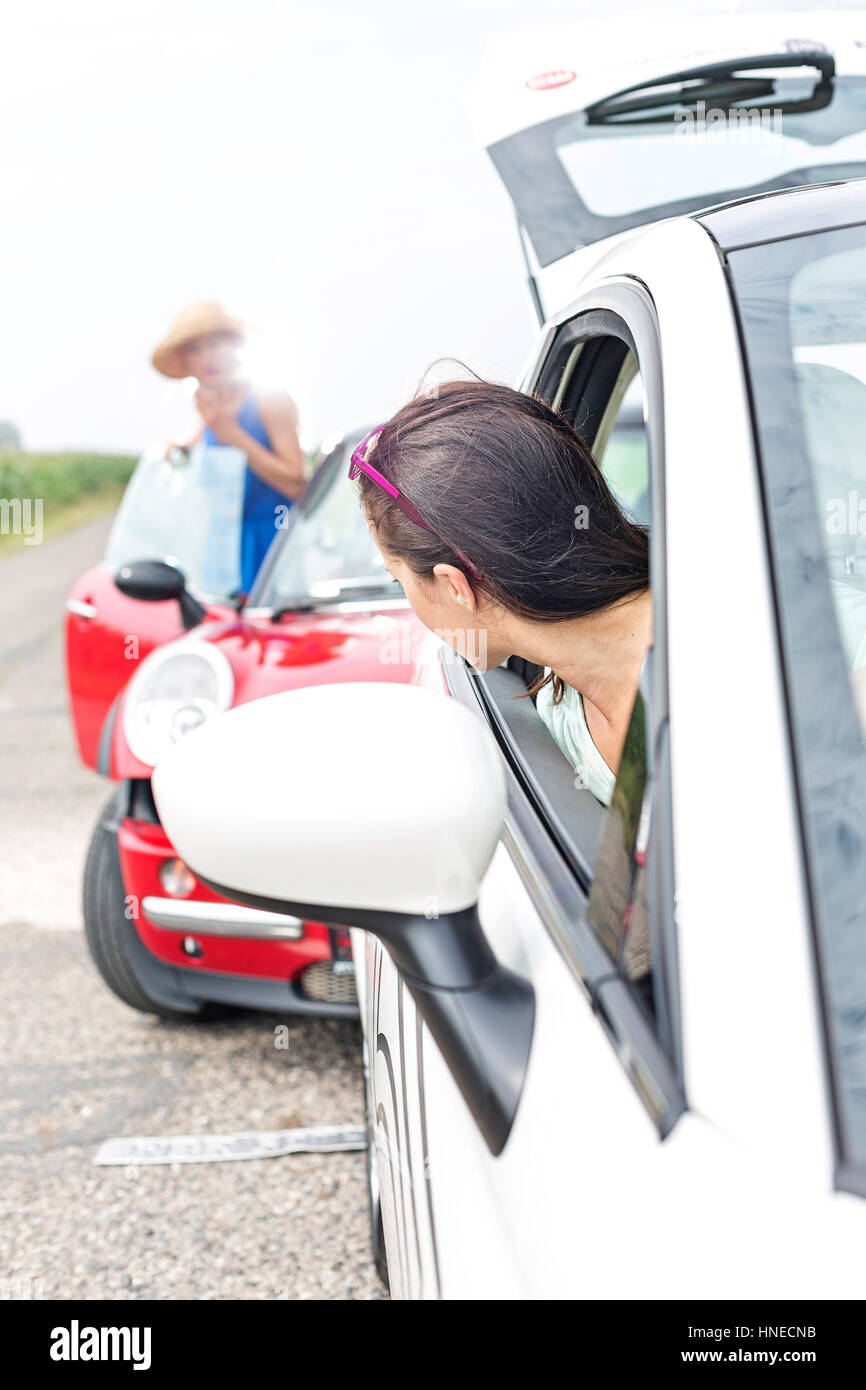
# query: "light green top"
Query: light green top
{"points": [[567, 725]]}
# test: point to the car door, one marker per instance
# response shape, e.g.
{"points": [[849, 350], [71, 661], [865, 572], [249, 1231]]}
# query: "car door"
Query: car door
{"points": [[667, 940], [107, 634], [565, 903]]}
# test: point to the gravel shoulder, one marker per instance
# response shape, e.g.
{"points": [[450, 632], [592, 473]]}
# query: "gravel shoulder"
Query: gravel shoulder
{"points": [[77, 1066]]}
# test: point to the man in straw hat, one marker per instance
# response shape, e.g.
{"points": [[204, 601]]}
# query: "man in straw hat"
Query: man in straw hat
{"points": [[203, 342]]}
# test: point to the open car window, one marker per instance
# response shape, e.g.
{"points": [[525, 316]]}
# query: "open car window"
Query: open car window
{"points": [[591, 377], [611, 413], [609, 868]]}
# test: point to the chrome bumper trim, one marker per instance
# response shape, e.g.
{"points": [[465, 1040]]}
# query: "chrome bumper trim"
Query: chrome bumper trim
{"points": [[80, 608], [221, 919]]}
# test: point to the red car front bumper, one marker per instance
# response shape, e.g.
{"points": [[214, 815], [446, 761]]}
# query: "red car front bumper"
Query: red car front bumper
{"points": [[310, 968]]}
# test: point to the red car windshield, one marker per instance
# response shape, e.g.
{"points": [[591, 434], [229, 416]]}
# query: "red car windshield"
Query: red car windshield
{"points": [[326, 552]]}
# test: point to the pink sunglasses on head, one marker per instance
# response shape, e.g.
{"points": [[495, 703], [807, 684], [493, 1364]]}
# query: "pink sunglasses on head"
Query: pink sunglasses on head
{"points": [[359, 464]]}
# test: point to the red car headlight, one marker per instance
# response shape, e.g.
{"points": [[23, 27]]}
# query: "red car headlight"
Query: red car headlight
{"points": [[176, 689]]}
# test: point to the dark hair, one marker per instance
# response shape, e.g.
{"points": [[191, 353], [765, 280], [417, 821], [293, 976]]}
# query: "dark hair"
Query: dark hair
{"points": [[501, 476]]}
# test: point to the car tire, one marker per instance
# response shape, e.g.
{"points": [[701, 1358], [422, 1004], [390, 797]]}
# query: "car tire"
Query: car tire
{"points": [[377, 1228], [109, 931]]}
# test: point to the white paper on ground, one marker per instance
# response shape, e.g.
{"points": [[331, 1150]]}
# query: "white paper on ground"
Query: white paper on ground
{"points": [[217, 1148]]}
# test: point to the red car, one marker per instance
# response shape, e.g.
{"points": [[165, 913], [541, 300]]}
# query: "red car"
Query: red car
{"points": [[150, 656]]}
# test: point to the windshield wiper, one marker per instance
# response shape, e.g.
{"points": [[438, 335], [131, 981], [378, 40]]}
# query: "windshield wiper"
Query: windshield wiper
{"points": [[325, 591], [717, 83], [333, 588]]}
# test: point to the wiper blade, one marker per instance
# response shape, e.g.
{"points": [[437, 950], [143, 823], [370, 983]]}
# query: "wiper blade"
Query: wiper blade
{"points": [[333, 588], [714, 82], [326, 591]]}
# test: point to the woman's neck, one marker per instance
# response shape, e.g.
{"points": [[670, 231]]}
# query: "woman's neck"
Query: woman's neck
{"points": [[599, 655]]}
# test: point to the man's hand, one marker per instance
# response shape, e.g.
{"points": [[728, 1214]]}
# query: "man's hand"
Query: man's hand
{"points": [[218, 406]]}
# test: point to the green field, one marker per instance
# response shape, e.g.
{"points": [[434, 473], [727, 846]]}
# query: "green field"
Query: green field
{"points": [[72, 489]]}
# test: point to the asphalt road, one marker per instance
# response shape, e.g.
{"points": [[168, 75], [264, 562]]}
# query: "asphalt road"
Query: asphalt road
{"points": [[77, 1066]]}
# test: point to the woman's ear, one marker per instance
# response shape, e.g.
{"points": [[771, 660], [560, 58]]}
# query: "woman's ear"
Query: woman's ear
{"points": [[457, 586]]}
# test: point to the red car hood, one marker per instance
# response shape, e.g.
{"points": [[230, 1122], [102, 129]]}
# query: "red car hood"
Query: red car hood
{"points": [[301, 649]]}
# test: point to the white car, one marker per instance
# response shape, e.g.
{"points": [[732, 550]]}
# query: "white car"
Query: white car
{"points": [[619, 1053]]}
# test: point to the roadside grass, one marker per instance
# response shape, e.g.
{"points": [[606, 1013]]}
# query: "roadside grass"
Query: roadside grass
{"points": [[73, 488]]}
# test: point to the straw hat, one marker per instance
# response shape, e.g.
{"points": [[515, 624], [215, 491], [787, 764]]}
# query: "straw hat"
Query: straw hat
{"points": [[193, 321]]}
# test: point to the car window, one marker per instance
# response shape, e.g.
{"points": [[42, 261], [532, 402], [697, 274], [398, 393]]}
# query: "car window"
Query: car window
{"points": [[597, 385], [623, 452], [610, 409], [327, 551], [601, 393], [603, 877], [830, 374], [802, 305]]}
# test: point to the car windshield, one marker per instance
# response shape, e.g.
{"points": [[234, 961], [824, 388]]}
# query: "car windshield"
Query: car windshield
{"points": [[186, 511], [327, 553], [802, 304], [577, 178]]}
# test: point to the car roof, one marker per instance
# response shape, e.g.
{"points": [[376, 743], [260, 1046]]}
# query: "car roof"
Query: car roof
{"points": [[785, 213]]}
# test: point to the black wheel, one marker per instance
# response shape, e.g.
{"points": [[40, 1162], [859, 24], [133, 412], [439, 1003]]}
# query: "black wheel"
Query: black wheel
{"points": [[377, 1229], [111, 937]]}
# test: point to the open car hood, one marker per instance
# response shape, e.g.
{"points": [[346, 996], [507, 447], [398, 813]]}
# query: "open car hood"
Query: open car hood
{"points": [[596, 128]]}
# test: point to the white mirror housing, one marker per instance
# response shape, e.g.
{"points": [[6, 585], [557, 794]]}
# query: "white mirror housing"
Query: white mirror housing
{"points": [[376, 806], [365, 795]]}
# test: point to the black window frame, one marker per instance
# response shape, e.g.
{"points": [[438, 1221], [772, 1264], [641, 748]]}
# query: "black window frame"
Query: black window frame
{"points": [[543, 804]]}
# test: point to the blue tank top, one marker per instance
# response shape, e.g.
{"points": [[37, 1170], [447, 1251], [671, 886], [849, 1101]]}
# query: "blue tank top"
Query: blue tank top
{"points": [[260, 515]]}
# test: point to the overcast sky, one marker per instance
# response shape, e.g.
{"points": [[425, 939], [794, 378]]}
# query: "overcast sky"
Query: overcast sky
{"points": [[308, 162]]}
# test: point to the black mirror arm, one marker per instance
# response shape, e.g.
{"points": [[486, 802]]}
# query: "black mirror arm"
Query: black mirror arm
{"points": [[154, 581], [481, 1014], [191, 611], [485, 1036]]}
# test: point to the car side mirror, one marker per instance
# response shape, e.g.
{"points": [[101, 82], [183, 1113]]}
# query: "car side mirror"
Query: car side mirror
{"points": [[376, 806], [153, 581]]}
